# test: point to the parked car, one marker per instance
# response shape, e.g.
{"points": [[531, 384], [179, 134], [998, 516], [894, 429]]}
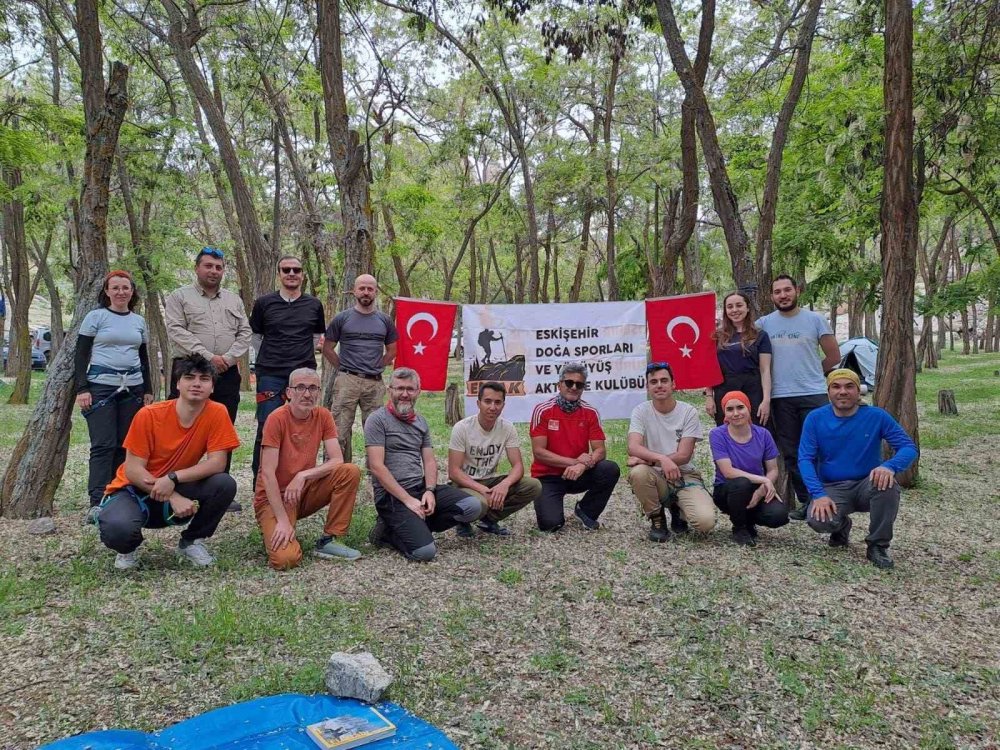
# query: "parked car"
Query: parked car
{"points": [[38, 361], [41, 338]]}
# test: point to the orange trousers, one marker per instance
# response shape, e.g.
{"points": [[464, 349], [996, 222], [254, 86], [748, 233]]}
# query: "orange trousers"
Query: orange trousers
{"points": [[336, 492]]}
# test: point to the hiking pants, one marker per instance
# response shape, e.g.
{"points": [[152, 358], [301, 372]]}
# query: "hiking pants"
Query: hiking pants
{"points": [[597, 483]]}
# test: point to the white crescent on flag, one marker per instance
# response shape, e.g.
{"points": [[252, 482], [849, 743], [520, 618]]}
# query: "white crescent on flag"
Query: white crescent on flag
{"points": [[423, 316], [683, 320]]}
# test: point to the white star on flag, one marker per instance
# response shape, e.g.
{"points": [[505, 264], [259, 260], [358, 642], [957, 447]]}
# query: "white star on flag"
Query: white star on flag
{"points": [[419, 347], [686, 351]]}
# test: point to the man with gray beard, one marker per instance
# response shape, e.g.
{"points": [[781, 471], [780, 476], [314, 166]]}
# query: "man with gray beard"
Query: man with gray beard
{"points": [[411, 505]]}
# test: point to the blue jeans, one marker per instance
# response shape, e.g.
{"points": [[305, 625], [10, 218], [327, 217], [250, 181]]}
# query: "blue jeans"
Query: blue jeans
{"points": [[275, 384]]}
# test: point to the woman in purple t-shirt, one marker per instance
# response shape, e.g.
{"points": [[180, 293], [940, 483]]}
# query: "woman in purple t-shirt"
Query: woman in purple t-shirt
{"points": [[746, 468]]}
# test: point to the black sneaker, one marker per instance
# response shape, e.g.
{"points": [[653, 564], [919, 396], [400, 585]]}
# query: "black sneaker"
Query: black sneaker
{"points": [[465, 531], [743, 538], [753, 530], [376, 537], [799, 514], [588, 523], [492, 527], [677, 523], [879, 557], [658, 528], [234, 507], [843, 537]]}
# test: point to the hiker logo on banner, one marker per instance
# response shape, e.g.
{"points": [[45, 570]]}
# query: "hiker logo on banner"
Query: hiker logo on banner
{"points": [[523, 347]]}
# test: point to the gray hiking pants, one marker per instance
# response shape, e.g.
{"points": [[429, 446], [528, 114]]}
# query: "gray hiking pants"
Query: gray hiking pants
{"points": [[861, 496]]}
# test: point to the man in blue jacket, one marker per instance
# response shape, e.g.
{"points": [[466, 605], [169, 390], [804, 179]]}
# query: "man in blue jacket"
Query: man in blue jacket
{"points": [[840, 459]]}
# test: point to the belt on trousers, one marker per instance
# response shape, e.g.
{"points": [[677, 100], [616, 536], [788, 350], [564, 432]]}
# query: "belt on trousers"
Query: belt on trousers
{"points": [[364, 375]]}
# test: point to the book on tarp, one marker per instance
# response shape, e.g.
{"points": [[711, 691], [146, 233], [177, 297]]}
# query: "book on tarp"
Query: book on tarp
{"points": [[357, 726]]}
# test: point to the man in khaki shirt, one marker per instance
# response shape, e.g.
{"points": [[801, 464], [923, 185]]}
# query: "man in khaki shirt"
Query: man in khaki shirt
{"points": [[203, 318]]}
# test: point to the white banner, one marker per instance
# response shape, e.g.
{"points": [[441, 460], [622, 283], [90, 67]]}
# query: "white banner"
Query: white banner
{"points": [[523, 346]]}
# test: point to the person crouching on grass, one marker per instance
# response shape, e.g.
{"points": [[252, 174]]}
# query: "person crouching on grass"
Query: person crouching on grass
{"points": [[161, 483], [291, 486]]}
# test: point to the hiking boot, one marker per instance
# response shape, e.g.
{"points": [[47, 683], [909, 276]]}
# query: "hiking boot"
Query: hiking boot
{"points": [[90, 517], [799, 514], [658, 528], [465, 531], [127, 560], [744, 538], [334, 550], [376, 537], [753, 530], [842, 537], [196, 553], [879, 557], [588, 523], [492, 527], [677, 523], [234, 507]]}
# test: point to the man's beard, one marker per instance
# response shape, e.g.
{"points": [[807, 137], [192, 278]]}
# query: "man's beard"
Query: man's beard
{"points": [[403, 407]]}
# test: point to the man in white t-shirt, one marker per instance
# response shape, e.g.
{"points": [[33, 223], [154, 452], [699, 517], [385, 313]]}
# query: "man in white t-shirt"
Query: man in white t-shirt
{"points": [[661, 437], [474, 452]]}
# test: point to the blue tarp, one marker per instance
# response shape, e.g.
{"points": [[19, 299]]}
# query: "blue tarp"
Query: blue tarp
{"points": [[274, 723]]}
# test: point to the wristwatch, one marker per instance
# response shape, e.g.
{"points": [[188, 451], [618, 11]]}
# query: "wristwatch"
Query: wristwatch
{"points": [[172, 476]]}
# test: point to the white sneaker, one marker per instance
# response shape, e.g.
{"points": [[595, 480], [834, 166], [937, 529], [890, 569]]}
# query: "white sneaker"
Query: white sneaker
{"points": [[127, 560], [197, 554]]}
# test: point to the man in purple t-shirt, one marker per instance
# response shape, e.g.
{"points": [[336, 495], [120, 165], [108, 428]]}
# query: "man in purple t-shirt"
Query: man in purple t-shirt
{"points": [[746, 468]]}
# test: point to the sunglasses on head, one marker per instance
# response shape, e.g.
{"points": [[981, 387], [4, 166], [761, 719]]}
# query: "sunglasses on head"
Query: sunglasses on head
{"points": [[291, 269], [213, 252], [654, 366], [578, 385]]}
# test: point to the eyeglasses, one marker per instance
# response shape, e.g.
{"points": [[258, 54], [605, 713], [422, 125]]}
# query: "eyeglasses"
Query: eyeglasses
{"points": [[654, 366], [290, 271], [404, 388], [578, 385], [213, 252], [310, 389]]}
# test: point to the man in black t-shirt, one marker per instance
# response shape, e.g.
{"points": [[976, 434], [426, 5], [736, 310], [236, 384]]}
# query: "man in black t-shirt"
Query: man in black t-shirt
{"points": [[286, 326], [367, 339]]}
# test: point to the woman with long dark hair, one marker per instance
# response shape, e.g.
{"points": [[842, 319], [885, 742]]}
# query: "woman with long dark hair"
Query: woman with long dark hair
{"points": [[112, 378], [744, 353]]}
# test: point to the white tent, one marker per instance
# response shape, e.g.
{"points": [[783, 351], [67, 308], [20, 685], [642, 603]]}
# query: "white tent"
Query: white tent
{"points": [[860, 355]]}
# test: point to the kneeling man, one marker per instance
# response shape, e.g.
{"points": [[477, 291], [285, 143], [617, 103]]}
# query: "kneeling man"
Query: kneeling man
{"points": [[291, 486], [477, 444], [567, 440], [411, 505], [840, 459], [161, 483], [661, 437]]}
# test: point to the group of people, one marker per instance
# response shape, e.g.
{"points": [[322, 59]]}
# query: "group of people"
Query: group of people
{"points": [[168, 463]]}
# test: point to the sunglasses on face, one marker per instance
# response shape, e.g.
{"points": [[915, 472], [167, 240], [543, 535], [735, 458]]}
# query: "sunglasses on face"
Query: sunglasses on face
{"points": [[291, 270], [212, 252], [577, 385], [654, 366]]}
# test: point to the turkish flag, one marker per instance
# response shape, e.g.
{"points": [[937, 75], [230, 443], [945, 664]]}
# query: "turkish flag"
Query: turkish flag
{"points": [[425, 339], [680, 332]]}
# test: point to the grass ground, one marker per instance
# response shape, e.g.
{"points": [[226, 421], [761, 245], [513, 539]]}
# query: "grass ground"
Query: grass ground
{"points": [[573, 641]]}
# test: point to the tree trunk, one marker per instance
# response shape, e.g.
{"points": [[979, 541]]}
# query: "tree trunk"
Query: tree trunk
{"points": [[518, 271], [581, 261], [723, 196], [39, 458], [694, 276], [870, 327], [19, 354], [347, 154], [57, 332], [611, 176], [769, 204], [896, 361], [183, 34]]}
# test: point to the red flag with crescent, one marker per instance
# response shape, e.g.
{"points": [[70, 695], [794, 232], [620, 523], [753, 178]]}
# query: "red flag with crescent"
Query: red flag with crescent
{"points": [[425, 339], [680, 333]]}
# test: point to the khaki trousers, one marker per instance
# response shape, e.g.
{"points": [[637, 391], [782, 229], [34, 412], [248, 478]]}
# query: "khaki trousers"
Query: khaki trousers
{"points": [[653, 492], [524, 492], [349, 392]]}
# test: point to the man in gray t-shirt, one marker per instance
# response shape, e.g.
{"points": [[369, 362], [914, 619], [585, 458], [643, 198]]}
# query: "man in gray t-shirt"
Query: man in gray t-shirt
{"points": [[367, 339], [798, 383], [411, 505]]}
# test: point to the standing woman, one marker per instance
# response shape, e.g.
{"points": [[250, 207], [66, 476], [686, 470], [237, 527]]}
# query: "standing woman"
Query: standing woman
{"points": [[112, 378], [744, 353]]}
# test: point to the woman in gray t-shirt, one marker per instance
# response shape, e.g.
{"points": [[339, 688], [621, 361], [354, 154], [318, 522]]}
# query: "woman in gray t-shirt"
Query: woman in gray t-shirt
{"points": [[112, 379]]}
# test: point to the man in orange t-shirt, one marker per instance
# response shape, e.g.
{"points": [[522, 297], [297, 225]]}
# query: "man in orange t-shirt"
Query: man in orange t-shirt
{"points": [[161, 483], [291, 486]]}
